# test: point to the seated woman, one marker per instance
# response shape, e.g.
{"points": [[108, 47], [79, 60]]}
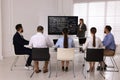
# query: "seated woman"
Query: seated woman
{"points": [[65, 42], [92, 42]]}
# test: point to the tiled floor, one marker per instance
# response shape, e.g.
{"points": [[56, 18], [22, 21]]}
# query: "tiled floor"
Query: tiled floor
{"points": [[19, 73]]}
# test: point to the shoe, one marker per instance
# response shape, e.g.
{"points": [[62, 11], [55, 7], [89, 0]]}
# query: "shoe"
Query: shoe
{"points": [[45, 70], [66, 69], [83, 51], [26, 67], [105, 65], [101, 68], [62, 68], [37, 71], [88, 71], [30, 67], [80, 49], [91, 70]]}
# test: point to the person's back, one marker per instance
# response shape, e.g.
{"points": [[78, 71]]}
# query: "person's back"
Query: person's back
{"points": [[65, 42], [93, 42], [60, 42], [40, 41], [89, 43]]}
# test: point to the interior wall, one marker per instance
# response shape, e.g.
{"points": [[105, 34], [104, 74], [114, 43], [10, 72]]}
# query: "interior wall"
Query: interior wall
{"points": [[80, 1], [30, 13], [0, 34]]}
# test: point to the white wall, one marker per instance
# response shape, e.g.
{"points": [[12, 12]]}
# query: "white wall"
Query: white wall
{"points": [[6, 31], [30, 13], [80, 1], [0, 34]]}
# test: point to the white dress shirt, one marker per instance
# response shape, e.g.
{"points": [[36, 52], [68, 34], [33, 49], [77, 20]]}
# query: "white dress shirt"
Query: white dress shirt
{"points": [[40, 41], [89, 43]]}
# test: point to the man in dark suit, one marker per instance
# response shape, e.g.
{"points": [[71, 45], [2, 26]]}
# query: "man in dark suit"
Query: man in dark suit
{"points": [[19, 42]]}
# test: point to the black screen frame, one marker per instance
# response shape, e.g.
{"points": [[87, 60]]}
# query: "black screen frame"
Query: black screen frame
{"points": [[60, 32]]}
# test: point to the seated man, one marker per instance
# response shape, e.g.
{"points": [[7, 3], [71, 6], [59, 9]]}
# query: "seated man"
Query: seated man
{"points": [[109, 44], [19, 42], [40, 41]]}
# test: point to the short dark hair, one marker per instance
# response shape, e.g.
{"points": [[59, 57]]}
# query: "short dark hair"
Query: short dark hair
{"points": [[40, 28], [108, 27], [18, 27]]}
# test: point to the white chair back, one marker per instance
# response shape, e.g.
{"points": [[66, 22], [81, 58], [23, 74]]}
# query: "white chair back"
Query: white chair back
{"points": [[65, 54]]}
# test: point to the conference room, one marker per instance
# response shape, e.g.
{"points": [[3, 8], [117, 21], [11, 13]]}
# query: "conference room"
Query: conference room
{"points": [[54, 16]]}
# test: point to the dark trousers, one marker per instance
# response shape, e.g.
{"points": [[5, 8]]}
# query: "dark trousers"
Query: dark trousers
{"points": [[28, 51]]}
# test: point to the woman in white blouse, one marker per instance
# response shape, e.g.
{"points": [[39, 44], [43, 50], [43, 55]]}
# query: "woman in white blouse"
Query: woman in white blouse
{"points": [[92, 42]]}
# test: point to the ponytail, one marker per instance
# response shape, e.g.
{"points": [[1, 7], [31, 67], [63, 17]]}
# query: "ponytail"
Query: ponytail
{"points": [[65, 31], [65, 41], [93, 30], [94, 42]]}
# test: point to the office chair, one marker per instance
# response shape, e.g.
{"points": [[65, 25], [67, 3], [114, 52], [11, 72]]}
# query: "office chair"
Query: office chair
{"points": [[114, 67], [65, 54], [41, 54], [16, 59], [95, 55]]}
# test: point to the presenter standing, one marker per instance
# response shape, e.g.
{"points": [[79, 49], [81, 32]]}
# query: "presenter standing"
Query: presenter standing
{"points": [[81, 29]]}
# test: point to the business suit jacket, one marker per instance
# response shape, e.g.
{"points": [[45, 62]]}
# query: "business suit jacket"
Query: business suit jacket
{"points": [[19, 42], [81, 33]]}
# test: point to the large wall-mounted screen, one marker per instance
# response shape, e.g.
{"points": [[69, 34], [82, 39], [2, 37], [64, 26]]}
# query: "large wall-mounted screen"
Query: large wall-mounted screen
{"points": [[57, 23]]}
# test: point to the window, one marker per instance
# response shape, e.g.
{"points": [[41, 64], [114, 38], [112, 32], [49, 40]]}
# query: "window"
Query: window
{"points": [[99, 14]]}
